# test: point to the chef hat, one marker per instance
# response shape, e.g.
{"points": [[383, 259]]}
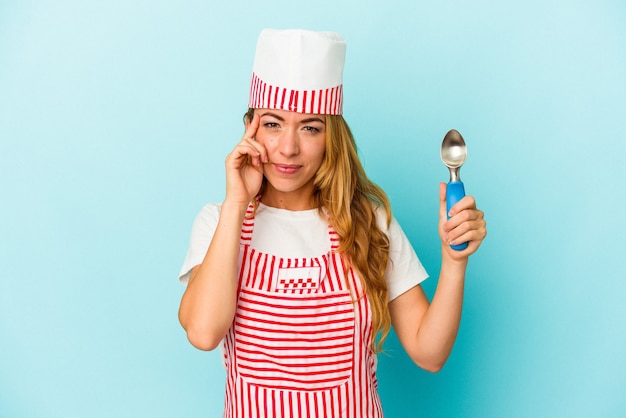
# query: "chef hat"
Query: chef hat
{"points": [[298, 70]]}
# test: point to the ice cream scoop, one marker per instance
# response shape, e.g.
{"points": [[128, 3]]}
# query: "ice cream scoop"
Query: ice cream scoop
{"points": [[453, 154]]}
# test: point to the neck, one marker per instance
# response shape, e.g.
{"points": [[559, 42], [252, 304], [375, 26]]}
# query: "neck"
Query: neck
{"points": [[296, 200]]}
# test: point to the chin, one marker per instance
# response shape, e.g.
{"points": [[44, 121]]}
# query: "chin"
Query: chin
{"points": [[287, 187]]}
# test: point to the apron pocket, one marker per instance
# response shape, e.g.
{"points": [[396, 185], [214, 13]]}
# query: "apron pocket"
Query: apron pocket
{"points": [[294, 342]]}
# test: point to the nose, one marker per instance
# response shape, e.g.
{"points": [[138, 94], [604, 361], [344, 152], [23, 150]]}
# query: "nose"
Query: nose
{"points": [[288, 143]]}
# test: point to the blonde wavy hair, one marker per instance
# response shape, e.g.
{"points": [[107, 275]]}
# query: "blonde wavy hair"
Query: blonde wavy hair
{"points": [[345, 194]]}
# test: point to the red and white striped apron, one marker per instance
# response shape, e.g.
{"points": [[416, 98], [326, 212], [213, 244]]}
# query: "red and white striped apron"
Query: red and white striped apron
{"points": [[300, 342]]}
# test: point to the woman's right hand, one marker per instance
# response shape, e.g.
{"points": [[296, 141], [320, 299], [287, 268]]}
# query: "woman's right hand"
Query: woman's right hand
{"points": [[244, 167], [208, 306]]}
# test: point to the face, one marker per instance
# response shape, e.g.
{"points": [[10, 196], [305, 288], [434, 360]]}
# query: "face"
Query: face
{"points": [[295, 144]]}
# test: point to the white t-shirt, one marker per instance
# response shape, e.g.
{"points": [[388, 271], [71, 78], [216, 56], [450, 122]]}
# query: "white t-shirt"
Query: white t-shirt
{"points": [[292, 234]]}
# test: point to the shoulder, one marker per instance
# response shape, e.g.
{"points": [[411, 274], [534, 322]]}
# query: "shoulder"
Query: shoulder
{"points": [[209, 211], [391, 227], [201, 234], [385, 221], [207, 218]]}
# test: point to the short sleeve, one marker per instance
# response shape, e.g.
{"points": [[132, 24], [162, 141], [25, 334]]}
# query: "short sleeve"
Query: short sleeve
{"points": [[404, 270], [201, 236]]}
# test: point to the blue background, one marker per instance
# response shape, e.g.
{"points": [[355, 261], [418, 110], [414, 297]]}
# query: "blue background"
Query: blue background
{"points": [[116, 116]]}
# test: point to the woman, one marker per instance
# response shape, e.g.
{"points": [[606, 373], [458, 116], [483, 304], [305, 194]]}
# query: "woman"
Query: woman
{"points": [[301, 271]]}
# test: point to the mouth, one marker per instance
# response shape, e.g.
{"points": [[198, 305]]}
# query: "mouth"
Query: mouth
{"points": [[287, 168]]}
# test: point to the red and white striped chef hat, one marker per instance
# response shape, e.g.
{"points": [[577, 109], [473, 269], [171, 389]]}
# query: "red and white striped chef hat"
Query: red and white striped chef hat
{"points": [[298, 70]]}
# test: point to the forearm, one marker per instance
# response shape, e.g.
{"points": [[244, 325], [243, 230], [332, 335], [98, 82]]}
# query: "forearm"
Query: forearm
{"points": [[440, 324], [426, 329], [208, 305]]}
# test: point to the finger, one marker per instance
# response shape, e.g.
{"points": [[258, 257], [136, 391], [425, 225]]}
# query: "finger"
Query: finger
{"points": [[250, 137], [470, 230], [471, 237], [259, 150], [466, 215], [252, 127], [462, 223], [244, 153], [468, 202], [442, 202]]}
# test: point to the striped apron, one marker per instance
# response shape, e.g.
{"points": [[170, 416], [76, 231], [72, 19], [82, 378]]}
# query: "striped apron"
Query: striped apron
{"points": [[300, 342]]}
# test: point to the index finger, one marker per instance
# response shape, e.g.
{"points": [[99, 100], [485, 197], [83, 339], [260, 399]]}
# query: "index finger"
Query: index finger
{"points": [[467, 202], [252, 127]]}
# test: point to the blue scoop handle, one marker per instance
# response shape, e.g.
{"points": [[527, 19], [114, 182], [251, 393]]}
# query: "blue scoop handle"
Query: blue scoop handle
{"points": [[454, 192]]}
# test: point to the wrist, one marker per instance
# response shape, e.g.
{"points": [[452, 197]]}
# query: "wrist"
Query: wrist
{"points": [[453, 259], [234, 206], [233, 211]]}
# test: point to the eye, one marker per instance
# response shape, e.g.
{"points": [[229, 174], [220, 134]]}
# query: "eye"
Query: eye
{"points": [[271, 125], [311, 129]]}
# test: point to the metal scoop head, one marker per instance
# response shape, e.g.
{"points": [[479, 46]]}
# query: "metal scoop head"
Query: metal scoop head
{"points": [[453, 153]]}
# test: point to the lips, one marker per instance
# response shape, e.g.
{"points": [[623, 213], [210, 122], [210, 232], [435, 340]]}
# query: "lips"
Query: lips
{"points": [[287, 168]]}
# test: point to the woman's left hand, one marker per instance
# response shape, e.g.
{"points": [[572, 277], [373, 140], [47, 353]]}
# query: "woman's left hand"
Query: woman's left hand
{"points": [[466, 224]]}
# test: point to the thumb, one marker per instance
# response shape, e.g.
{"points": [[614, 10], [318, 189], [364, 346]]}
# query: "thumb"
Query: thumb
{"points": [[442, 202]]}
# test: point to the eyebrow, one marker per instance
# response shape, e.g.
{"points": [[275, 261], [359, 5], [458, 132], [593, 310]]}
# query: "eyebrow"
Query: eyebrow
{"points": [[307, 120]]}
